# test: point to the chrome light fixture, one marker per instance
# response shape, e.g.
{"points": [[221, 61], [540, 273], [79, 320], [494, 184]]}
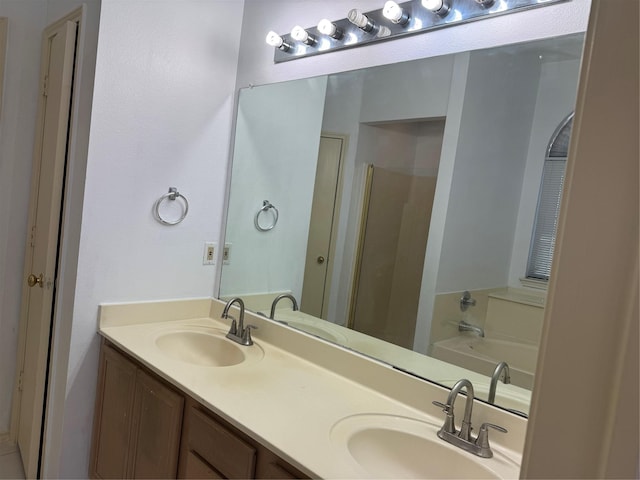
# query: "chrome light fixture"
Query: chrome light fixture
{"points": [[394, 12], [301, 35], [394, 19], [327, 27], [277, 41], [439, 7]]}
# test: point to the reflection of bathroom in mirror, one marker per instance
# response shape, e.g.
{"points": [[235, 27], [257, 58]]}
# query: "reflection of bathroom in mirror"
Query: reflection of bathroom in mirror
{"points": [[397, 189]]}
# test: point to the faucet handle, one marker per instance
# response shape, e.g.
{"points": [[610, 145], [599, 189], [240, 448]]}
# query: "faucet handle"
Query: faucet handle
{"points": [[246, 335], [483, 438], [445, 408], [449, 425], [234, 326]]}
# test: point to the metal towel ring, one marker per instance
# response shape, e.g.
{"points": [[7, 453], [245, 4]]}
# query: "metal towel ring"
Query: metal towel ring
{"points": [[172, 195], [266, 206]]}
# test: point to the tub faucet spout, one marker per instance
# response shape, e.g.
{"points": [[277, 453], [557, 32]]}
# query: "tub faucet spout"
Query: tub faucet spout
{"points": [[467, 327], [500, 367], [280, 297]]}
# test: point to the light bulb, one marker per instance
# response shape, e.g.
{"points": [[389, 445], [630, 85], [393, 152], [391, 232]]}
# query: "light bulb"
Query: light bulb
{"points": [[383, 32], [395, 13], [327, 27], [433, 5], [360, 20], [301, 35], [277, 41], [439, 7], [274, 39]]}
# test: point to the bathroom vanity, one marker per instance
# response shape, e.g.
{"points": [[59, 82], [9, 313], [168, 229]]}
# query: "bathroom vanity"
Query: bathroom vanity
{"points": [[177, 398], [146, 428]]}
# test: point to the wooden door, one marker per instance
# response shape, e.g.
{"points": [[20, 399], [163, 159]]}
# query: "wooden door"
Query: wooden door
{"points": [[317, 273], [50, 154]]}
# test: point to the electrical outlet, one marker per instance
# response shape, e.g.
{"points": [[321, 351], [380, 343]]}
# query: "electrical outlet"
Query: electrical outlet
{"points": [[226, 254], [209, 257]]}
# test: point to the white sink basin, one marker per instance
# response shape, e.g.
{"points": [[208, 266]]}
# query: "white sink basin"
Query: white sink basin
{"points": [[205, 346], [387, 446]]}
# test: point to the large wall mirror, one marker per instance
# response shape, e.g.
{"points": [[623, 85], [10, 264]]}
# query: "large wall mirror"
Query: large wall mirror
{"points": [[397, 204]]}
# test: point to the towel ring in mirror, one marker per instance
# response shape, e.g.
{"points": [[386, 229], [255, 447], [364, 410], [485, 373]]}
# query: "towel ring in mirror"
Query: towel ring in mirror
{"points": [[266, 206]]}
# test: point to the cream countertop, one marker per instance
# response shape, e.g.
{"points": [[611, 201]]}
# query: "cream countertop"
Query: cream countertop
{"points": [[508, 396], [290, 399]]}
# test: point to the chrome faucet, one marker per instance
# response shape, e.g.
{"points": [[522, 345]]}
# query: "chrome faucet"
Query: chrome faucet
{"points": [[500, 367], [238, 333], [466, 301], [449, 425], [280, 297], [463, 438], [467, 327]]}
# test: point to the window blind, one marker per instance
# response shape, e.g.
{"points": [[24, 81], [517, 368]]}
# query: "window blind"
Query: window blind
{"points": [[543, 239], [544, 232]]}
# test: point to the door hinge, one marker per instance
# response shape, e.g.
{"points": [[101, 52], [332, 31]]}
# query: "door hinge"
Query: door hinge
{"points": [[45, 86], [20, 375]]}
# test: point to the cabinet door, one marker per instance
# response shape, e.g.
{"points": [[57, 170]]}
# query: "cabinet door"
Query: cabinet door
{"points": [[112, 423], [157, 421], [271, 466], [197, 468]]}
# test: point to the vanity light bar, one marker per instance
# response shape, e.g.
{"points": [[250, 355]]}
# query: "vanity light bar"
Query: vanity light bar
{"points": [[394, 20]]}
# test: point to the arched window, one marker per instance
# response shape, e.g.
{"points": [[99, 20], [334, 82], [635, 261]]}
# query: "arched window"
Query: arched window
{"points": [[546, 221]]}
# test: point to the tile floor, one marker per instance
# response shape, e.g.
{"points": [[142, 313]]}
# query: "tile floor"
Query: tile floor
{"points": [[10, 463]]}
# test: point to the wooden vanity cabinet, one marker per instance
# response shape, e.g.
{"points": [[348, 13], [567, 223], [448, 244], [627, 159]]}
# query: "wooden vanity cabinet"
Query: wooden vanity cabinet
{"points": [[137, 423], [144, 428], [213, 448]]}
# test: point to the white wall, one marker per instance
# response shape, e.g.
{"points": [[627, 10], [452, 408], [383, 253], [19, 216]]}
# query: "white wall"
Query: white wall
{"points": [[162, 108], [493, 140], [275, 156], [555, 100], [412, 90]]}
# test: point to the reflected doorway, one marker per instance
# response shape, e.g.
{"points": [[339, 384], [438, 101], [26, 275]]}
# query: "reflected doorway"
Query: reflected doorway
{"points": [[398, 201], [322, 227]]}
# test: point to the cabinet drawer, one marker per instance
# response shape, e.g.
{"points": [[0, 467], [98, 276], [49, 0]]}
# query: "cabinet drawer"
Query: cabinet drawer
{"points": [[226, 452]]}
